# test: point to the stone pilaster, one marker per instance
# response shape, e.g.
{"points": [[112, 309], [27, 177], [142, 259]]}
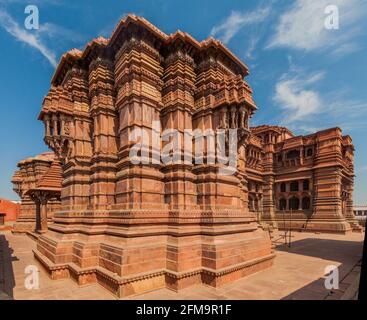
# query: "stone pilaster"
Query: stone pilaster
{"points": [[176, 115], [269, 182], [75, 193], [105, 122], [138, 82]]}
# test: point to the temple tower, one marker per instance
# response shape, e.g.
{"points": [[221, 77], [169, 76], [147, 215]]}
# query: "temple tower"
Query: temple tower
{"points": [[125, 116]]}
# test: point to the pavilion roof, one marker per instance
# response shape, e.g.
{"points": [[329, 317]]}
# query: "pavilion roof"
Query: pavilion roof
{"points": [[51, 180], [263, 128]]}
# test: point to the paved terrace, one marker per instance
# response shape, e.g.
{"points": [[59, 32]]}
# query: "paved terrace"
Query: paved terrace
{"points": [[298, 273]]}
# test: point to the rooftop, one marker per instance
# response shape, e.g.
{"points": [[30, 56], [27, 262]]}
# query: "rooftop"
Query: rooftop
{"points": [[131, 19], [263, 128]]}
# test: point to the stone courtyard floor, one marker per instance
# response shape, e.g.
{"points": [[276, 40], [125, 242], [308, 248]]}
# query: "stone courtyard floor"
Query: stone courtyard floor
{"points": [[298, 273]]}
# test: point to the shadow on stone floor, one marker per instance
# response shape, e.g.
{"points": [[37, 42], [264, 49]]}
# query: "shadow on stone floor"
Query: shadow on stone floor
{"points": [[7, 280], [344, 252], [313, 291], [316, 290], [327, 249]]}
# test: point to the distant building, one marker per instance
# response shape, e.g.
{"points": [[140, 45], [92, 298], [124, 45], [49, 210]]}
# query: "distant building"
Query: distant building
{"points": [[302, 182], [360, 212], [9, 211]]}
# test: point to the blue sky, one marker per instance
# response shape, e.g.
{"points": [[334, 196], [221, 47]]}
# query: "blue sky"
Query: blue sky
{"points": [[304, 76]]}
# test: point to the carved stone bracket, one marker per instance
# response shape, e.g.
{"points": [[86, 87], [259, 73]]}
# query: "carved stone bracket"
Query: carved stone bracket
{"points": [[62, 146], [59, 132], [243, 136]]}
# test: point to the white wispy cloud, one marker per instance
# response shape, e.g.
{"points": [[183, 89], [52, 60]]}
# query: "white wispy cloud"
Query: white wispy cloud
{"points": [[294, 97], [344, 49], [47, 35], [252, 46], [305, 108], [30, 38], [303, 26], [236, 21]]}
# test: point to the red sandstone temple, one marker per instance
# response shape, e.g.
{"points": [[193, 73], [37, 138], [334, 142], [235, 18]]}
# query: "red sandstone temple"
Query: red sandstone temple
{"points": [[36, 174], [134, 227], [302, 182]]}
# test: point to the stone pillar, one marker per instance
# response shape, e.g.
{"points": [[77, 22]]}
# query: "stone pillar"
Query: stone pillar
{"points": [[62, 124], [55, 125], [43, 214], [243, 177], [269, 180], [38, 215], [40, 198], [47, 126], [233, 117], [223, 118], [242, 118], [247, 120]]}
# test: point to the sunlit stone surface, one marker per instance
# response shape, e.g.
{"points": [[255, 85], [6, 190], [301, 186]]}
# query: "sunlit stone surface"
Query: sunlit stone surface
{"points": [[137, 227]]}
